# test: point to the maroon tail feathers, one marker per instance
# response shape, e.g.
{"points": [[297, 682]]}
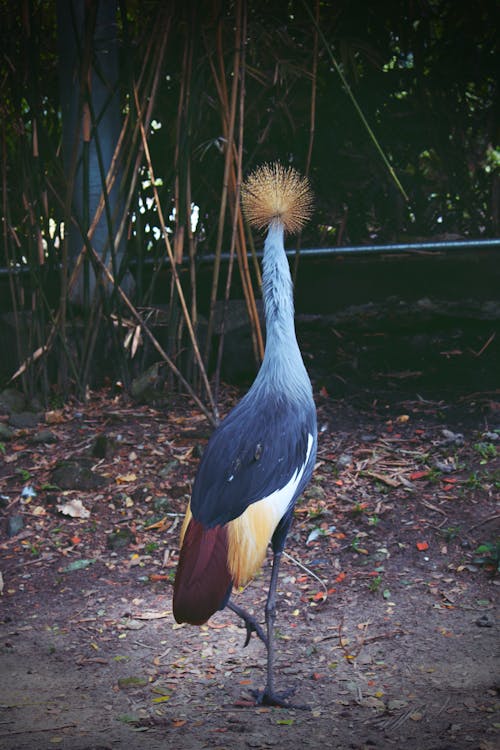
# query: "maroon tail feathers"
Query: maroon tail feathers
{"points": [[203, 580]]}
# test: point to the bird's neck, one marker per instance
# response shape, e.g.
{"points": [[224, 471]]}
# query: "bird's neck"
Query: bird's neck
{"points": [[277, 290], [282, 365]]}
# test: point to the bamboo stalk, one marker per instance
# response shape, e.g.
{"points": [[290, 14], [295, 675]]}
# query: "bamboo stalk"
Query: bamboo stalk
{"points": [[312, 121], [8, 258], [174, 271], [228, 120], [237, 212], [228, 112]]}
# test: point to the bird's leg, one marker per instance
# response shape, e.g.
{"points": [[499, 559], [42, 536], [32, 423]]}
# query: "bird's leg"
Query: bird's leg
{"points": [[251, 623], [269, 697], [270, 620]]}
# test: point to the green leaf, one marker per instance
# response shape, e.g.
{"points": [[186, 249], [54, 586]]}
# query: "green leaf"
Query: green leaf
{"points": [[127, 718], [24, 473], [78, 565], [126, 682]]}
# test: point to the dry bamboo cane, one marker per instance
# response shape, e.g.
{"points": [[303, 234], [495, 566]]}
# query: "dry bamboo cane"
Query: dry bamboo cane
{"points": [[228, 121], [230, 182], [312, 123], [237, 212], [171, 257]]}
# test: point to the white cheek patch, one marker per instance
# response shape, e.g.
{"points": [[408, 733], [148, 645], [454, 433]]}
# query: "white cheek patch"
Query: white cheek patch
{"points": [[279, 500]]}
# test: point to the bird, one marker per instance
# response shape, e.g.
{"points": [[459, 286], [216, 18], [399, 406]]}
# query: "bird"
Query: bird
{"points": [[261, 456]]}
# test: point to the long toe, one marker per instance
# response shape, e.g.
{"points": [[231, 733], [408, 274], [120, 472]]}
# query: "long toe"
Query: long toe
{"points": [[251, 624], [253, 627]]}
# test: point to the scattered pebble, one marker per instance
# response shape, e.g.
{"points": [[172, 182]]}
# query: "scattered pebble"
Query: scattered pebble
{"points": [[15, 524], [484, 622]]}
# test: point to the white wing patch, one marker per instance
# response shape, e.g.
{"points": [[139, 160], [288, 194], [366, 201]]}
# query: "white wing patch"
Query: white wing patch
{"points": [[279, 500]]}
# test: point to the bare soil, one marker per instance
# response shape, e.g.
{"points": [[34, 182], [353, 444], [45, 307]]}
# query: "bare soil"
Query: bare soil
{"points": [[386, 610]]}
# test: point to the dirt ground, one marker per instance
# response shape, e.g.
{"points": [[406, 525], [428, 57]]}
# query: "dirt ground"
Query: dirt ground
{"points": [[386, 611]]}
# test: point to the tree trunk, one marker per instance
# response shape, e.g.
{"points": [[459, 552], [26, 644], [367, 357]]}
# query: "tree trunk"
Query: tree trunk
{"points": [[91, 124]]}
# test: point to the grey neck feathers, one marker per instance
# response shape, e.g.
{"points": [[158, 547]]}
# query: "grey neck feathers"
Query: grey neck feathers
{"points": [[282, 367]]}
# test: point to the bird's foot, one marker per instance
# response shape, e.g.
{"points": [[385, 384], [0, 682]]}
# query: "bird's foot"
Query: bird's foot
{"points": [[268, 697], [251, 624]]}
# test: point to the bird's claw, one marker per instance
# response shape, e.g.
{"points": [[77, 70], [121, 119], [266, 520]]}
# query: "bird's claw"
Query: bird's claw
{"points": [[251, 624], [253, 627], [250, 630]]}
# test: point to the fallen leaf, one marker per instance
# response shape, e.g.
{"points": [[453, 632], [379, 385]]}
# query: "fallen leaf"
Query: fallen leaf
{"points": [[74, 508], [318, 596], [124, 478], [153, 615], [396, 704], [127, 718], [131, 682], [78, 565], [55, 417], [419, 474]]}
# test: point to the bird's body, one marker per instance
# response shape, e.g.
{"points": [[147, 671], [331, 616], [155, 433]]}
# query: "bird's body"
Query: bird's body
{"points": [[261, 456]]}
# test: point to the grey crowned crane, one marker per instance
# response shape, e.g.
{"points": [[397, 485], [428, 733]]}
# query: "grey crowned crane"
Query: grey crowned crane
{"points": [[261, 456]]}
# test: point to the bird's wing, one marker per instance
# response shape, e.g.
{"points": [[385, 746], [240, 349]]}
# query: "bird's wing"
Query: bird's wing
{"points": [[253, 453]]}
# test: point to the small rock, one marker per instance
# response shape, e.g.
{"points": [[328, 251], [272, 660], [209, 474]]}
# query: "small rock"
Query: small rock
{"points": [[491, 436], [104, 446], [315, 492], [484, 622], [148, 386], [168, 468], [161, 503], [131, 624], [344, 460], [15, 524], [44, 436], [75, 475], [24, 420], [12, 400], [447, 466], [452, 437], [5, 432], [119, 539]]}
